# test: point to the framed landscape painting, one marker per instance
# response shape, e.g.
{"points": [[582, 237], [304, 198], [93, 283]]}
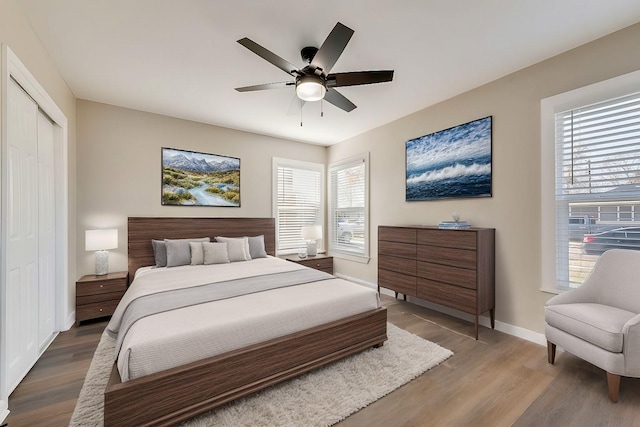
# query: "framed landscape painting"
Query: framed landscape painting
{"points": [[454, 162], [190, 178]]}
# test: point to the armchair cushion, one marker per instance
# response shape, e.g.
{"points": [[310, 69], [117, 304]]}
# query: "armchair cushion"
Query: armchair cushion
{"points": [[601, 325]]}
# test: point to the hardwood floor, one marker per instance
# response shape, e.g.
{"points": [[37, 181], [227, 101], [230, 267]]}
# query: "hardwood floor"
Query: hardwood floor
{"points": [[499, 380]]}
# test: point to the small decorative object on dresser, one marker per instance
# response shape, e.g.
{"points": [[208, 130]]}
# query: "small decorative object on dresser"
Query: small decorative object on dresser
{"points": [[98, 296], [320, 262], [450, 267]]}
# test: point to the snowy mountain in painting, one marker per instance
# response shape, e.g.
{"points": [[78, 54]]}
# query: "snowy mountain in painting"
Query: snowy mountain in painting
{"points": [[198, 162]]}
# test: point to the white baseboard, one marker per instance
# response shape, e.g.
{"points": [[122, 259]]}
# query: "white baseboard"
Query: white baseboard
{"points": [[4, 414], [71, 319], [507, 328]]}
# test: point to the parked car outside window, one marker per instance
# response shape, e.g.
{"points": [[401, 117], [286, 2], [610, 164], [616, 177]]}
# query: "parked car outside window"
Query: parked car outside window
{"points": [[621, 238]]}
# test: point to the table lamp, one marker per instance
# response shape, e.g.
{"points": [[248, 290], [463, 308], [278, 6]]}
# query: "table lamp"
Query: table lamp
{"points": [[100, 241], [311, 234]]}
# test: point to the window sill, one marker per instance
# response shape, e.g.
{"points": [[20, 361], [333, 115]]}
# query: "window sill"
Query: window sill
{"points": [[355, 258]]}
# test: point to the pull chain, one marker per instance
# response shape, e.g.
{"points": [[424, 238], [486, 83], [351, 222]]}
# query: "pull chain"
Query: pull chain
{"points": [[321, 107]]}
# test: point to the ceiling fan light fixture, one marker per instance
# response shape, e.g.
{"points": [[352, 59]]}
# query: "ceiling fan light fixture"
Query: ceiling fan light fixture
{"points": [[310, 88]]}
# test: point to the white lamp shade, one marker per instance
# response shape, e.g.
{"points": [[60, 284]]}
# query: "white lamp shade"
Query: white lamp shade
{"points": [[312, 232], [100, 240]]}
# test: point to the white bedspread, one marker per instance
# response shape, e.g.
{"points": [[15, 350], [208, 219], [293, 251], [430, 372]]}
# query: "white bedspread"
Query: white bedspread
{"points": [[181, 336]]}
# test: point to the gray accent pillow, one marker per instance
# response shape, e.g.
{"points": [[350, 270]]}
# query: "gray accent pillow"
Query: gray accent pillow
{"points": [[159, 252], [197, 253], [231, 248], [179, 251], [256, 247], [215, 253]]}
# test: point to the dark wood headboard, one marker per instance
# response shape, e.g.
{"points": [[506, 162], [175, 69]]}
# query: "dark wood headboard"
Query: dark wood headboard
{"points": [[142, 229]]}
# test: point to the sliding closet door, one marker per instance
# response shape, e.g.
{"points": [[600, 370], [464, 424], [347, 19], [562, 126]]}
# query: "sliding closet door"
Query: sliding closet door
{"points": [[22, 234], [46, 232]]}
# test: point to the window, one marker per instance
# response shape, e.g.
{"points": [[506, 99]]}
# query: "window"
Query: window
{"points": [[298, 201], [349, 208], [597, 181]]}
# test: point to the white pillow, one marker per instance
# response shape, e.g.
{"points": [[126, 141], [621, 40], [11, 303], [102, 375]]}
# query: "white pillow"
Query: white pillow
{"points": [[245, 247], [197, 253], [215, 253], [256, 247]]}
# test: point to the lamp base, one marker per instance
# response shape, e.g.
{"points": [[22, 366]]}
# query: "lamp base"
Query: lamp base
{"points": [[102, 263], [312, 248]]}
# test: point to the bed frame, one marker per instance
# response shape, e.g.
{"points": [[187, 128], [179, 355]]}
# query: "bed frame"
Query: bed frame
{"points": [[168, 397]]}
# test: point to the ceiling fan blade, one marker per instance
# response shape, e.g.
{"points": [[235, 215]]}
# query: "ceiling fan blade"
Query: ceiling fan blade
{"points": [[339, 100], [359, 78], [295, 106], [269, 56], [332, 48], [278, 85]]}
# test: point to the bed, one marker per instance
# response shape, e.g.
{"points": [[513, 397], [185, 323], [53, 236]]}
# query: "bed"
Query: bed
{"points": [[174, 394]]}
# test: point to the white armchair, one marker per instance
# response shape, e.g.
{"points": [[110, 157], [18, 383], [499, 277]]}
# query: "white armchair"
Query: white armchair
{"points": [[600, 321]]}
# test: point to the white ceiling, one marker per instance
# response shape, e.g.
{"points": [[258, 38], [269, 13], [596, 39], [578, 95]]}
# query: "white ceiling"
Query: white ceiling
{"points": [[181, 59]]}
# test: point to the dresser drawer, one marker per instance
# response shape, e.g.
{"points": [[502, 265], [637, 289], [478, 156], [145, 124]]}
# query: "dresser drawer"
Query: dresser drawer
{"points": [[95, 310], [404, 250], [462, 258], [395, 234], [399, 265], [101, 287], [447, 274], [460, 239], [448, 295], [397, 281]]}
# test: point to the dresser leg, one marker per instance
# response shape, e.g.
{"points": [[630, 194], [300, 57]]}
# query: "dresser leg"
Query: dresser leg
{"points": [[476, 327], [404, 296], [396, 295], [492, 314]]}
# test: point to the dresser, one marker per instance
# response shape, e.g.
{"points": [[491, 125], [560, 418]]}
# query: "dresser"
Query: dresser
{"points": [[98, 296], [453, 268], [320, 262]]}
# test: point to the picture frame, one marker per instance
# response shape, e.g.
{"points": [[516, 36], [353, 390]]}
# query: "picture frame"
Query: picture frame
{"points": [[451, 163], [191, 178]]}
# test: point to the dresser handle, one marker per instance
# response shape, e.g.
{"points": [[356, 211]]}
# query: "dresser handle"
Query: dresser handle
{"points": [[100, 310], [102, 286]]}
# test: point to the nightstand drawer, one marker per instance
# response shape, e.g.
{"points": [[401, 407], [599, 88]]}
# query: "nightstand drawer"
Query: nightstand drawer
{"points": [[101, 287], [98, 298], [319, 264], [95, 310]]}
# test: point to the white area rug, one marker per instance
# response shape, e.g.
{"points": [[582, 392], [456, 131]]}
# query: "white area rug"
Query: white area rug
{"points": [[320, 398]]}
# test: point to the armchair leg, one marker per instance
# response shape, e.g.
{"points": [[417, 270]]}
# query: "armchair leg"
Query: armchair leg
{"points": [[551, 352], [613, 381]]}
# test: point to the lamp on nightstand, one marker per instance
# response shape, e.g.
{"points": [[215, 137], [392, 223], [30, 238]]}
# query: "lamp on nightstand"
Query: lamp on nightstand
{"points": [[311, 234], [100, 241]]}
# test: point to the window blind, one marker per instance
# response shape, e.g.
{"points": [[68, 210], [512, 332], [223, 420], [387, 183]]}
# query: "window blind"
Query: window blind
{"points": [[299, 202], [349, 210], [597, 181]]}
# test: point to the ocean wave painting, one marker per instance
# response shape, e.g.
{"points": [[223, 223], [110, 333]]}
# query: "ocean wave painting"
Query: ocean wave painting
{"points": [[454, 162]]}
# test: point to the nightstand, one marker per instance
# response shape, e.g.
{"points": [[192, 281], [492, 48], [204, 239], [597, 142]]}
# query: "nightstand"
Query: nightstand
{"points": [[320, 262], [98, 296]]}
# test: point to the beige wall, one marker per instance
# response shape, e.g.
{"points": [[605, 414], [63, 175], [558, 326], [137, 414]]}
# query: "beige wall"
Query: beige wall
{"points": [[119, 155], [514, 209], [16, 33]]}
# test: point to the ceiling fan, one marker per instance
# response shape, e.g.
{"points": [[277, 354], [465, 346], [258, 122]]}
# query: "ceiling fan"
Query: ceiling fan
{"points": [[315, 82]]}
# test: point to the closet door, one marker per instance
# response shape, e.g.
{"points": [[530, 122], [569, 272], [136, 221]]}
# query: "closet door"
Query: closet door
{"points": [[21, 235], [46, 232]]}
